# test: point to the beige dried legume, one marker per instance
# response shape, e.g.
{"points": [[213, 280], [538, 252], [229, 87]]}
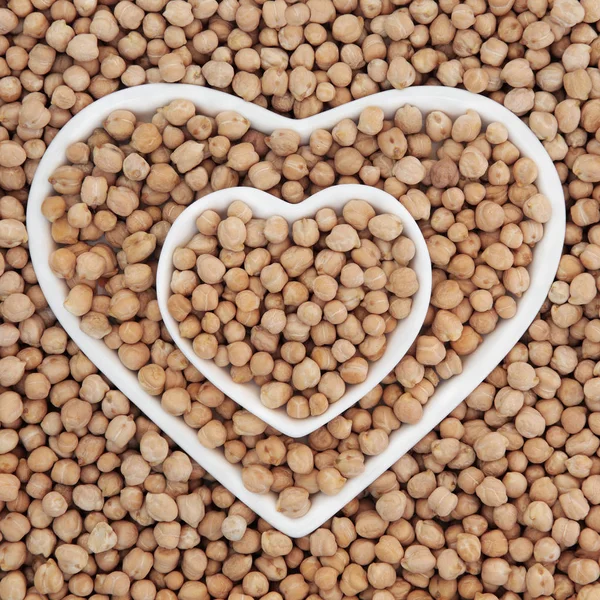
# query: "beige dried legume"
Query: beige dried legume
{"points": [[559, 42], [257, 338]]}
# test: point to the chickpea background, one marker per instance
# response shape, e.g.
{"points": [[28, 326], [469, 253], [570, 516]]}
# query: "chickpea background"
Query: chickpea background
{"points": [[284, 320], [83, 475]]}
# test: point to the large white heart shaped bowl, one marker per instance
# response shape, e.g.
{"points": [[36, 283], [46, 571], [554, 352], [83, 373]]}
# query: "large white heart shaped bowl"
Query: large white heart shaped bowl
{"points": [[264, 205], [144, 100]]}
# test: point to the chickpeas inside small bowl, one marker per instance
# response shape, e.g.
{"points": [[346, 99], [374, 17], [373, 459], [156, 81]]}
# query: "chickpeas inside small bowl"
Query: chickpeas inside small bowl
{"points": [[294, 311]]}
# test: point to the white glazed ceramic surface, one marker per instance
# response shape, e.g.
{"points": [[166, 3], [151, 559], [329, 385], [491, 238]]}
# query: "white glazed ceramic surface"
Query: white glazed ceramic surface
{"points": [[264, 205], [144, 100]]}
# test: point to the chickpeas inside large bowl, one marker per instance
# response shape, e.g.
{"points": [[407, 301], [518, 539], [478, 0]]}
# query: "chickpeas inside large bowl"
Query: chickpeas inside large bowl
{"points": [[466, 324], [301, 308]]}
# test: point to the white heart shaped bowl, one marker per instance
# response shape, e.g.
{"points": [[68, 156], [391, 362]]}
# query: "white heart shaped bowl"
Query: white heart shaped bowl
{"points": [[264, 205], [144, 100]]}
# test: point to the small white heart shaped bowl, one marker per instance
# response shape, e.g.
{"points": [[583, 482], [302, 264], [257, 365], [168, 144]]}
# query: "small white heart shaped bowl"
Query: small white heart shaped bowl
{"points": [[264, 205], [144, 100]]}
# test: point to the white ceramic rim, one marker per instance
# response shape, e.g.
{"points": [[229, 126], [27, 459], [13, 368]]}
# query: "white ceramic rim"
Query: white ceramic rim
{"points": [[264, 205], [476, 367]]}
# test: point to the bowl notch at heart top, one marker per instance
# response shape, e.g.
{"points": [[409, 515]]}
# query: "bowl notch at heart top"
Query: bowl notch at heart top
{"points": [[264, 205]]}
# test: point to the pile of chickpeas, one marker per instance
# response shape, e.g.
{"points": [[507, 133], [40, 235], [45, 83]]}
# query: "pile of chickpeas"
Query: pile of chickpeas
{"points": [[302, 312], [465, 182], [85, 479], [298, 57]]}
